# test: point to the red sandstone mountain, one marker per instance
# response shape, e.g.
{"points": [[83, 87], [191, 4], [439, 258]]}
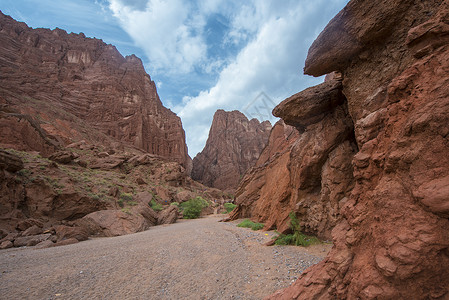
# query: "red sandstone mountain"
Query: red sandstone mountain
{"points": [[233, 146], [89, 147], [58, 88], [391, 234], [308, 169]]}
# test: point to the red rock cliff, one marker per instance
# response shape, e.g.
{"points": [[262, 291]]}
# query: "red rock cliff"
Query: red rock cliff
{"points": [[233, 146], [392, 239], [76, 88], [306, 170]]}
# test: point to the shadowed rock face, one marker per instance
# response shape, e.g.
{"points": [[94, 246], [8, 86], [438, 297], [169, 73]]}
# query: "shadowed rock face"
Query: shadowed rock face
{"points": [[392, 238], [77, 88], [233, 146]]}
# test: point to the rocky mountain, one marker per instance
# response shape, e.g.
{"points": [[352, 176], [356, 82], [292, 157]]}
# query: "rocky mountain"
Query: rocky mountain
{"points": [[305, 168], [369, 165], [233, 146], [391, 240], [86, 146], [58, 88]]}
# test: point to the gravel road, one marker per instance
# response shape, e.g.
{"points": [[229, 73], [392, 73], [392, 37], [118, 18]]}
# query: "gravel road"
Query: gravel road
{"points": [[192, 259]]}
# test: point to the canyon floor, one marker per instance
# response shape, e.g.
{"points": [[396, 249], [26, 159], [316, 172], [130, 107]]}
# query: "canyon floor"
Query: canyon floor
{"points": [[192, 259]]}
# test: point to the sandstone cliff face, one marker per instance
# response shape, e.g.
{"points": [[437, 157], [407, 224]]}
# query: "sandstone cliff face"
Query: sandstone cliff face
{"points": [[233, 146], [77, 88], [392, 240], [306, 170]]}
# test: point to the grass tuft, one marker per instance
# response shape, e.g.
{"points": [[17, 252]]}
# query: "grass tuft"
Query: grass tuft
{"points": [[229, 207], [250, 224]]}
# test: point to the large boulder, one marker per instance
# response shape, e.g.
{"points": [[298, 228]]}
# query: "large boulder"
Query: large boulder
{"points": [[10, 162], [168, 215], [113, 223], [64, 232], [31, 240]]}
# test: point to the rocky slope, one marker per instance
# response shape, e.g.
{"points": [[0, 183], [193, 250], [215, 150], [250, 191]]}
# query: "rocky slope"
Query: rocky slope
{"points": [[233, 146], [84, 191], [391, 240], [58, 88]]}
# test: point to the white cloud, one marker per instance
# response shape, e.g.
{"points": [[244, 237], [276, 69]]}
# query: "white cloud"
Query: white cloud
{"points": [[166, 30], [273, 38], [271, 62]]}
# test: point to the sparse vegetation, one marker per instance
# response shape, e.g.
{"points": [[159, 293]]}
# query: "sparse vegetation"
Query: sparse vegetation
{"points": [[229, 207], [296, 238], [126, 197], [155, 205], [126, 210], [192, 209], [247, 223]]}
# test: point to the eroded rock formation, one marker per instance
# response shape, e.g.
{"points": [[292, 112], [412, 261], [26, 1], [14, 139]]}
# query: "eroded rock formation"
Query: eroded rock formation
{"points": [[392, 240], [233, 146], [57, 88], [306, 170]]}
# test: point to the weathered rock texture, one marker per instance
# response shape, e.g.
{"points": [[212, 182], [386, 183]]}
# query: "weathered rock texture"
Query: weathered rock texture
{"points": [[392, 240], [309, 172], [57, 88], [233, 146]]}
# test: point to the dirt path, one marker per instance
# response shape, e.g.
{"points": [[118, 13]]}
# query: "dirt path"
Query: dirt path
{"points": [[197, 259]]}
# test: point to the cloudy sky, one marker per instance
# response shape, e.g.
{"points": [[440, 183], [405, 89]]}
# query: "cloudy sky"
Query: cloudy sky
{"points": [[203, 55]]}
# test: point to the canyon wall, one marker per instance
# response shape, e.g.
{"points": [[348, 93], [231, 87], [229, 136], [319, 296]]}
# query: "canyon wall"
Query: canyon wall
{"points": [[306, 167], [58, 88], [233, 146], [391, 240]]}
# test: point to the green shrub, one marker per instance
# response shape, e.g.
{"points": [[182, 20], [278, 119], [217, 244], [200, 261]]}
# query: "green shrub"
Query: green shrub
{"points": [[94, 196], [192, 209], [156, 206], [120, 203], [229, 207], [126, 197], [250, 224], [126, 210], [296, 238], [174, 203], [285, 239]]}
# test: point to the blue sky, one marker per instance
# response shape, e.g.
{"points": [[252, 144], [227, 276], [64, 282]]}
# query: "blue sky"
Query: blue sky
{"points": [[203, 55]]}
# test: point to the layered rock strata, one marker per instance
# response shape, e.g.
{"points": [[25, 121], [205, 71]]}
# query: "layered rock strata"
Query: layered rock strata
{"points": [[57, 88], [233, 146], [392, 240]]}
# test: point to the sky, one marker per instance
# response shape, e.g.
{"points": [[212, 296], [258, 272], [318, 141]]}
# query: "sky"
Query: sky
{"points": [[203, 55]]}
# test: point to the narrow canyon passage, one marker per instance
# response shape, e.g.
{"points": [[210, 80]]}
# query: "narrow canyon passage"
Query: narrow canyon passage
{"points": [[194, 259]]}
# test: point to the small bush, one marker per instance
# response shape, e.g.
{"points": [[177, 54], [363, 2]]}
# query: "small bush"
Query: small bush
{"points": [[126, 197], [156, 206], [229, 207], [126, 210], [250, 224], [120, 203], [285, 239], [94, 196], [174, 203], [296, 238], [192, 209]]}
